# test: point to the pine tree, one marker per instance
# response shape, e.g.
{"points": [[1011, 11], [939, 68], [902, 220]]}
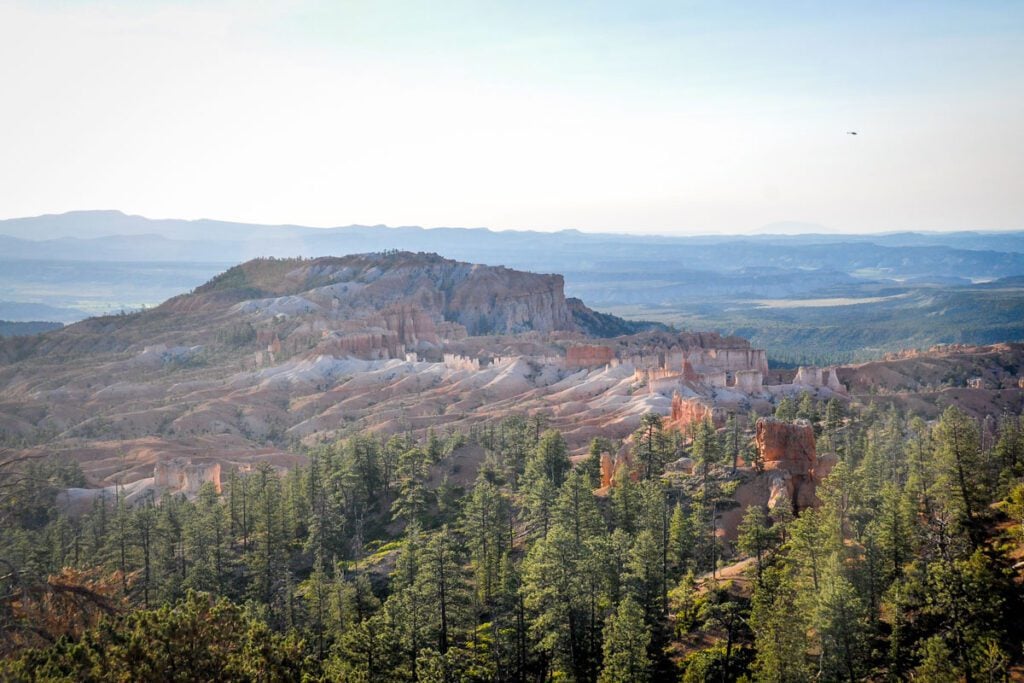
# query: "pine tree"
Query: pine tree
{"points": [[680, 542], [756, 538], [592, 465], [556, 593], [205, 536], [840, 620], [444, 589], [780, 631], [962, 478], [706, 449], [785, 410], [626, 638], [649, 446], [832, 422], [486, 521], [549, 460], [269, 536], [625, 497], [644, 575], [413, 498], [806, 408], [811, 544], [732, 441]]}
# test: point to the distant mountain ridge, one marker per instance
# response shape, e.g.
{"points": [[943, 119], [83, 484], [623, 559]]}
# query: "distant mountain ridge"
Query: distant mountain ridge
{"points": [[376, 305], [115, 236], [910, 289]]}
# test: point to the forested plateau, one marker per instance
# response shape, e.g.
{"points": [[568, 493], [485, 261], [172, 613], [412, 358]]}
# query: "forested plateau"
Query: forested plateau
{"points": [[396, 467]]}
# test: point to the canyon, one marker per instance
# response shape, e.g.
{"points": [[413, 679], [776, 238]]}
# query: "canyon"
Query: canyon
{"points": [[276, 354]]}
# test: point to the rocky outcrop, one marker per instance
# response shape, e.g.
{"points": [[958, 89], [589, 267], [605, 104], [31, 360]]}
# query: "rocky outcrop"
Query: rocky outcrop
{"points": [[454, 361], [833, 383], [418, 297], [588, 356], [787, 452], [807, 377], [785, 445], [607, 469], [687, 412], [406, 293], [502, 301], [728, 359], [411, 324], [367, 343], [696, 358], [719, 380], [749, 381], [611, 465], [183, 476]]}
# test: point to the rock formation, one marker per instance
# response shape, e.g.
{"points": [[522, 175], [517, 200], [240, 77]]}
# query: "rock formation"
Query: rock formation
{"points": [[788, 453], [833, 383], [611, 465], [183, 476], [607, 469], [749, 381], [398, 299], [588, 356], [454, 361], [807, 377], [692, 411]]}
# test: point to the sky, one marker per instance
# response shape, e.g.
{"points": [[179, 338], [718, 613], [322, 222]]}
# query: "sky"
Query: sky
{"points": [[649, 117]]}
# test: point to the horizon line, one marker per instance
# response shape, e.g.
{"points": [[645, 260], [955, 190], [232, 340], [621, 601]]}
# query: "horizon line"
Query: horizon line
{"points": [[762, 231]]}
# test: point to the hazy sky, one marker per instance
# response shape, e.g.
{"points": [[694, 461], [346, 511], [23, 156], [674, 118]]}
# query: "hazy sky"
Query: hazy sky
{"points": [[629, 116]]}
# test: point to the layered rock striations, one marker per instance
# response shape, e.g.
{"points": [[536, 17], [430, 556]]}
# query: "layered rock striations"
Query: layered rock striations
{"points": [[383, 305]]}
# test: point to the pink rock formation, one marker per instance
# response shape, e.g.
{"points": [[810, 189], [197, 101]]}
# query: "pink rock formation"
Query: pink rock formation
{"points": [[786, 446], [588, 356], [182, 476], [691, 411], [715, 379], [607, 469], [411, 323], [689, 374], [611, 465], [368, 343], [454, 361], [790, 460]]}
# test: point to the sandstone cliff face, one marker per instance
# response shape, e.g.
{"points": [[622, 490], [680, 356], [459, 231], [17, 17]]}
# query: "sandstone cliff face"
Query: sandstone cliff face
{"points": [[502, 301], [382, 305], [692, 411], [789, 456], [411, 294], [588, 356], [786, 446], [179, 476]]}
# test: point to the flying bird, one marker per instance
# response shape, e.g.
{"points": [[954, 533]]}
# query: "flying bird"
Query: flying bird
{"points": [[851, 132]]}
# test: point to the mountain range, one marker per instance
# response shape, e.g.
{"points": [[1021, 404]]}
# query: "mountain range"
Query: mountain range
{"points": [[817, 296]]}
